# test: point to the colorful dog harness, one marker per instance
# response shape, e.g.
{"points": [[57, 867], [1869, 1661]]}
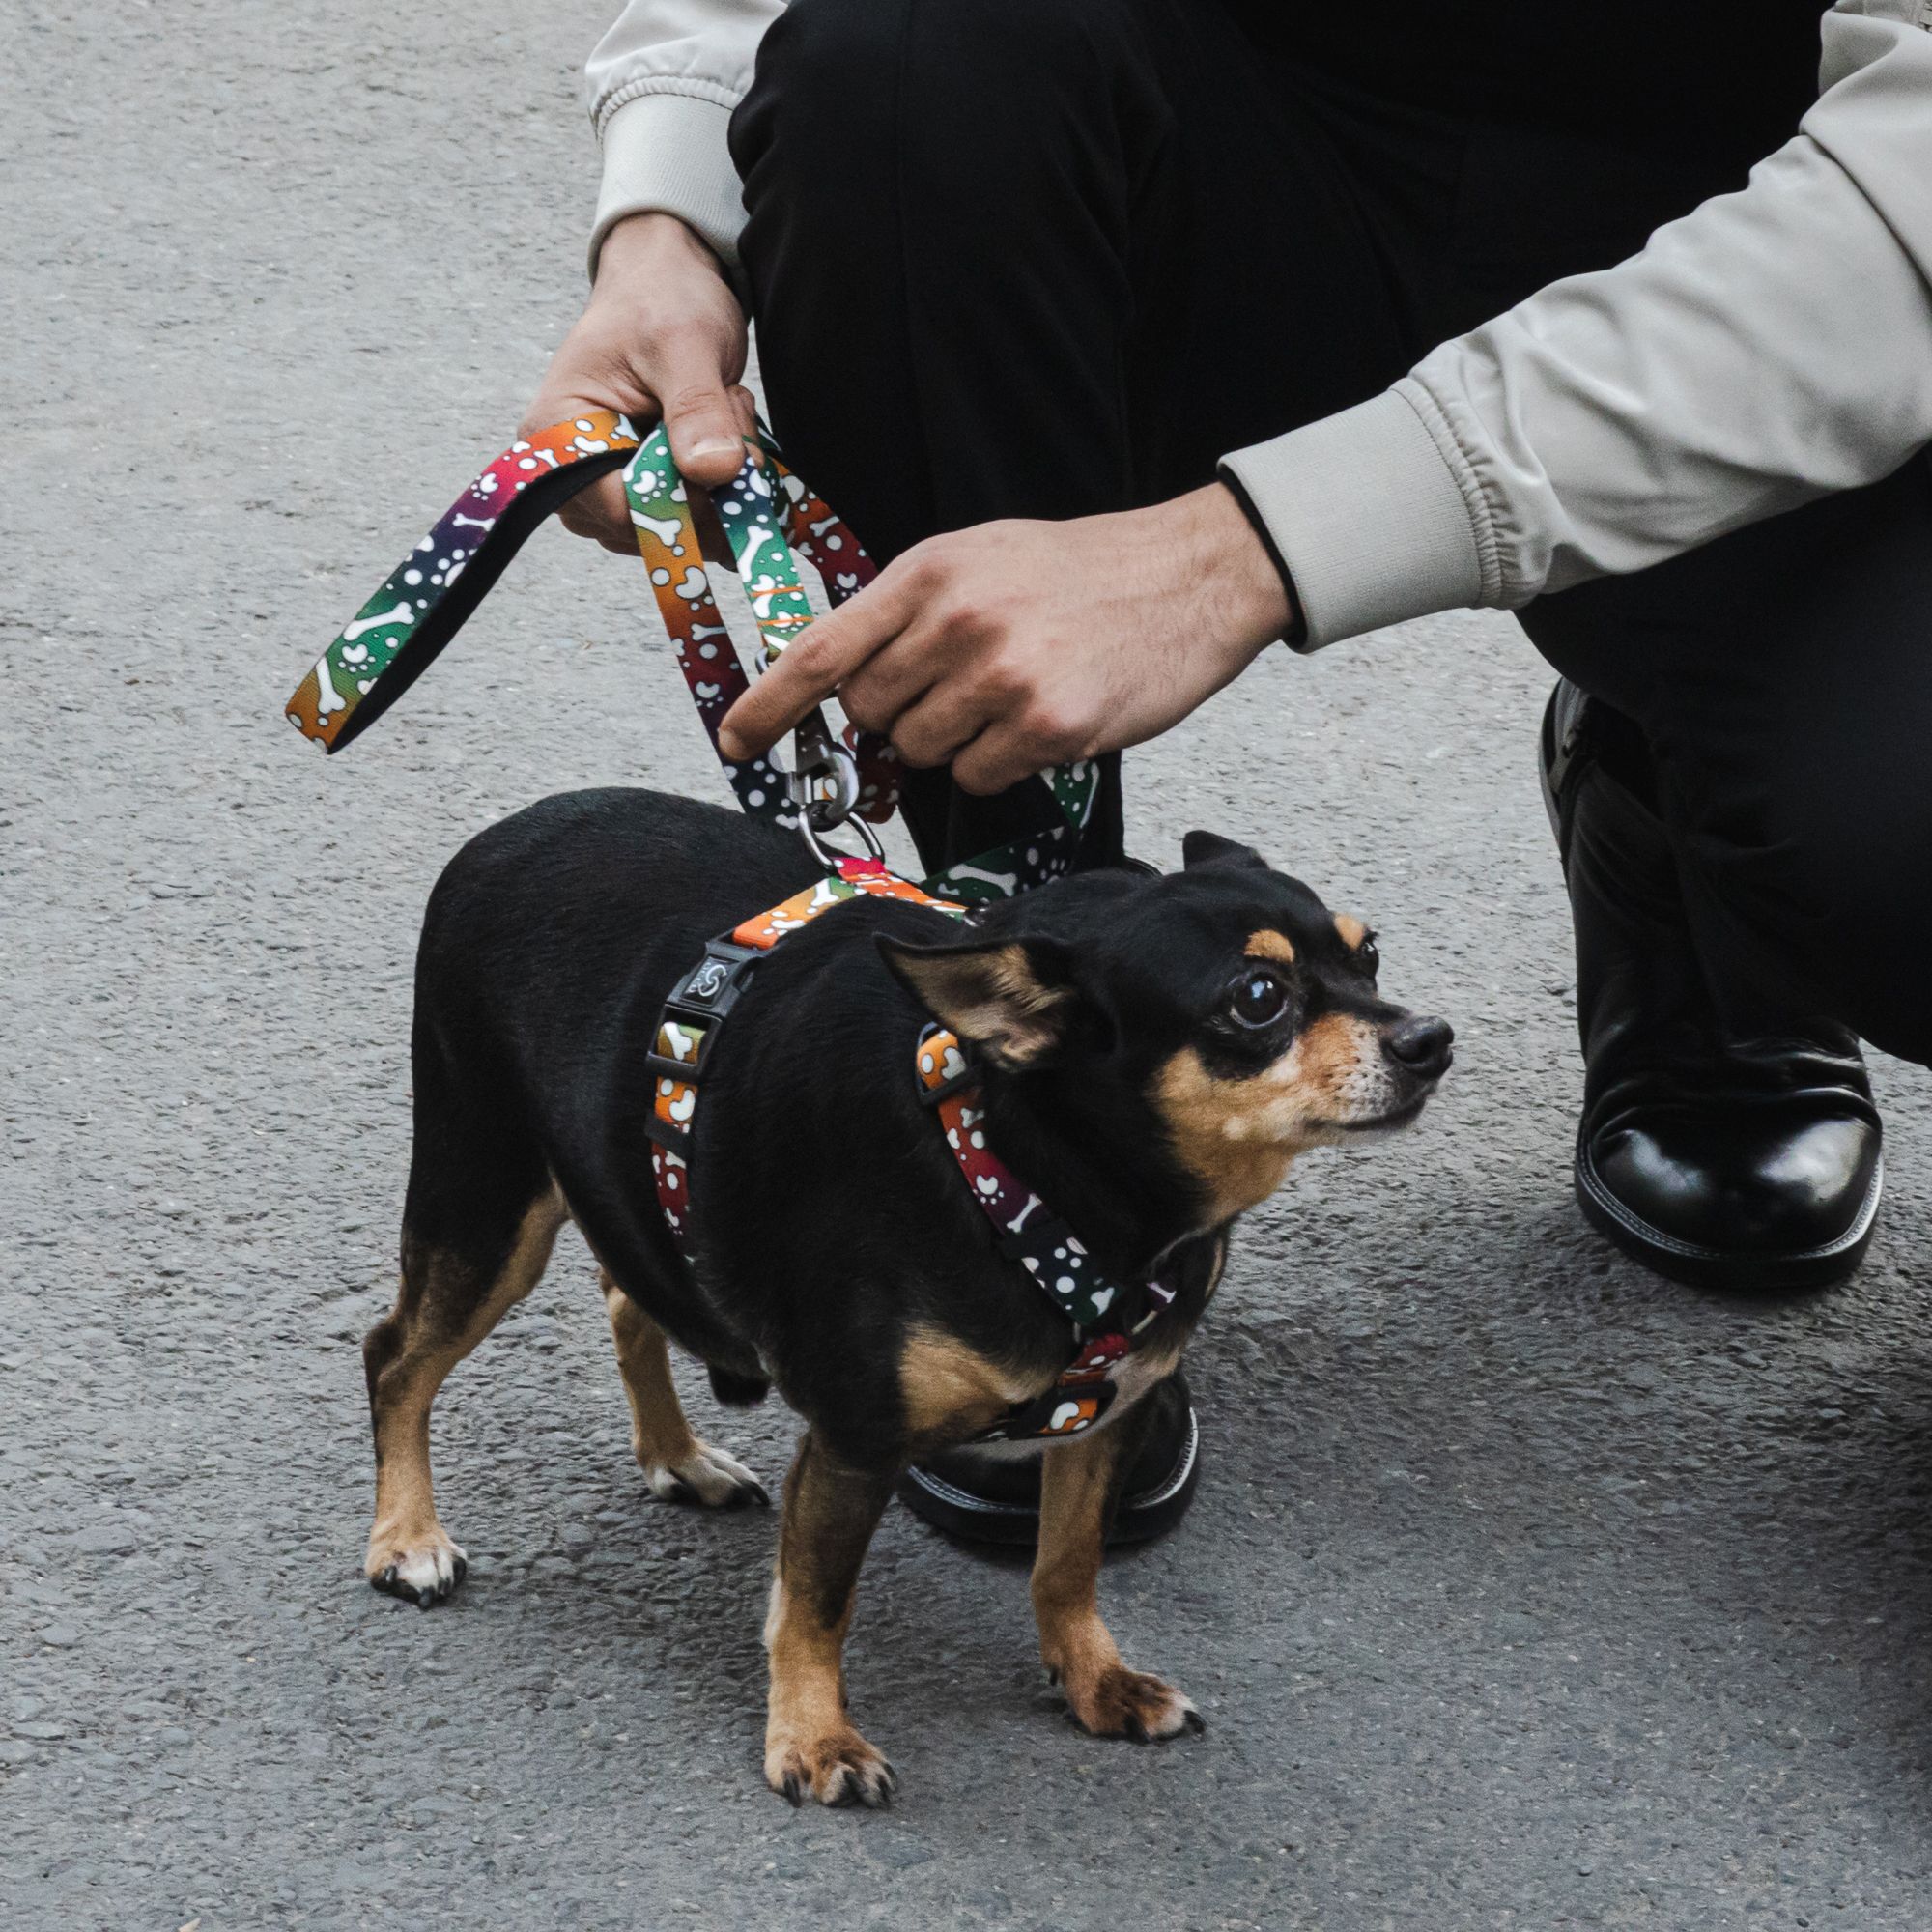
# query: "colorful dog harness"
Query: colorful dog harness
{"points": [[423, 604], [1024, 1230]]}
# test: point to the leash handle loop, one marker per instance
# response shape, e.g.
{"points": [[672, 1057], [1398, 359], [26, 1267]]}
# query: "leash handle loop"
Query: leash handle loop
{"points": [[770, 518]]}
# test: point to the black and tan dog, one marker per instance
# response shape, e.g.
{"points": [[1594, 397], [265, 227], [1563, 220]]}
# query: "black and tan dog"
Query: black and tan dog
{"points": [[1156, 1051]]}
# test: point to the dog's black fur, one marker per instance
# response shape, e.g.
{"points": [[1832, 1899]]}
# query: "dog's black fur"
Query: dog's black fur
{"points": [[836, 1251]]}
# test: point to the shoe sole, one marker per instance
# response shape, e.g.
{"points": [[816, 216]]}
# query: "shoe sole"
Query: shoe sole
{"points": [[1711, 1267], [1140, 1517]]}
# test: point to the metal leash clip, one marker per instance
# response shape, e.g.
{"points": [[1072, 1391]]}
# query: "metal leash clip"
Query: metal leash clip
{"points": [[824, 789]]}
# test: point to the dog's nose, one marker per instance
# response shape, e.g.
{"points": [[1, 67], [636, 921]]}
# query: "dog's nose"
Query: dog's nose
{"points": [[1421, 1046]]}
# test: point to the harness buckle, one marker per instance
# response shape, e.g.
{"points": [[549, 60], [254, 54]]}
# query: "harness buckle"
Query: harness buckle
{"points": [[704, 996]]}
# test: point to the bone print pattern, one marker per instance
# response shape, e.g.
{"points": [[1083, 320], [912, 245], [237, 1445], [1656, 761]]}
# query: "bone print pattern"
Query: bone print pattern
{"points": [[344, 673], [667, 537], [370, 645], [766, 566], [818, 534], [1009, 870], [676, 1102], [1081, 1388], [1044, 1246], [755, 523]]}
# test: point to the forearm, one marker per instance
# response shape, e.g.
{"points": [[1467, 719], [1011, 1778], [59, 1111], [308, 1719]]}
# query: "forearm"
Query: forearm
{"points": [[1771, 346]]}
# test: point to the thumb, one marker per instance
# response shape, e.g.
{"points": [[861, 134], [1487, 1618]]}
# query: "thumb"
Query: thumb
{"points": [[702, 420]]}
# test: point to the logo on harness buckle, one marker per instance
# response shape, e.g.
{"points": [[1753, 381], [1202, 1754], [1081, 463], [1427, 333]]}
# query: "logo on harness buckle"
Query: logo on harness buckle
{"points": [[709, 980]]}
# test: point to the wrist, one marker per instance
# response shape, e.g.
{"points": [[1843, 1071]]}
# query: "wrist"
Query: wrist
{"points": [[650, 245], [1250, 597]]}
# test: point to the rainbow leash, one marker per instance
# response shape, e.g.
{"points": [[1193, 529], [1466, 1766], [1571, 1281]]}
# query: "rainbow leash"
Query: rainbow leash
{"points": [[770, 518]]}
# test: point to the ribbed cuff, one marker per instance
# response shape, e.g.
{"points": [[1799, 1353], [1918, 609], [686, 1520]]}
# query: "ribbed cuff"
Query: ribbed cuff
{"points": [[1368, 516], [667, 153]]}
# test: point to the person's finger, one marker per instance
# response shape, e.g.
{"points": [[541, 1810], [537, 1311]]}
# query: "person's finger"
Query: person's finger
{"points": [[1012, 748], [813, 669], [600, 510], [891, 682], [700, 414], [933, 729], [746, 406]]}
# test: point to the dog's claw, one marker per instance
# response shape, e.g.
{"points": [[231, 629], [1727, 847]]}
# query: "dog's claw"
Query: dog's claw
{"points": [[1195, 1721], [423, 1574], [706, 1478], [837, 1769]]}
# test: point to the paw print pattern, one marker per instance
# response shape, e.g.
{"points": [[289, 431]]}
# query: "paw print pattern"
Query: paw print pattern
{"points": [[666, 534], [764, 503], [1044, 1246], [676, 1101], [1011, 869], [344, 674], [819, 535], [758, 508]]}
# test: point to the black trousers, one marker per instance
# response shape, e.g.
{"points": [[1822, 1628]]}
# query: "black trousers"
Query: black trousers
{"points": [[1045, 258]]}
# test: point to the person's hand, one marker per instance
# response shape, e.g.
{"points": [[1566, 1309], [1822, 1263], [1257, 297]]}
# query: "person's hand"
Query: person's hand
{"points": [[662, 335], [1013, 646]]}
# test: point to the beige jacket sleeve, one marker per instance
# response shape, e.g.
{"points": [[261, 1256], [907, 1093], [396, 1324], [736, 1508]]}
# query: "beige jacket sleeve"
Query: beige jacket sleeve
{"points": [[661, 86], [1772, 345]]}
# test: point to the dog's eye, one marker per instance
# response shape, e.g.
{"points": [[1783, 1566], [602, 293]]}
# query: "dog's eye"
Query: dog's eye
{"points": [[1258, 1000], [1368, 956]]}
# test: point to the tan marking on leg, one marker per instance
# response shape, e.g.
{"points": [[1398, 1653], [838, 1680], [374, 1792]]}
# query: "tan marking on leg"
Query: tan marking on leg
{"points": [[678, 1466], [1352, 929], [950, 1390], [1077, 1484], [1267, 944], [811, 1749], [441, 1313]]}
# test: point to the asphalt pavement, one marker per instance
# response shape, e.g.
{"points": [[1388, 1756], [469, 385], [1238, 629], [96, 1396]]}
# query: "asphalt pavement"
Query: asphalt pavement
{"points": [[1522, 1589]]}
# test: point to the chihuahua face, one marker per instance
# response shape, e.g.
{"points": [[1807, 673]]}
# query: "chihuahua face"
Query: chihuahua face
{"points": [[1289, 1045], [1223, 1003]]}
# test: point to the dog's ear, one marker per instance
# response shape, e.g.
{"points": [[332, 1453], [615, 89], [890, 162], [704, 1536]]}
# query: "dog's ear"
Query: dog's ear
{"points": [[1209, 848], [1008, 997]]}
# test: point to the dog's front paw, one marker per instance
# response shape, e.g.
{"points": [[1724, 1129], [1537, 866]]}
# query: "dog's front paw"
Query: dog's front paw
{"points": [[1116, 1702], [837, 1768], [422, 1569], [705, 1476]]}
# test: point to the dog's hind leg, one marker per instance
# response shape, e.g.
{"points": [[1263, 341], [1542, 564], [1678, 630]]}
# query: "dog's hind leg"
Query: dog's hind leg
{"points": [[1079, 1483], [810, 1747], [678, 1466], [449, 1301]]}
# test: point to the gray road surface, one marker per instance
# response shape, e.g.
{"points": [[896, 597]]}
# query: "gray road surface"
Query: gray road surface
{"points": [[1523, 1590]]}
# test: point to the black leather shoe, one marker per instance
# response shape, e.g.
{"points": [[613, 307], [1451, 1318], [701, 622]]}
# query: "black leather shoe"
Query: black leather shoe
{"points": [[992, 1495], [1734, 1163]]}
